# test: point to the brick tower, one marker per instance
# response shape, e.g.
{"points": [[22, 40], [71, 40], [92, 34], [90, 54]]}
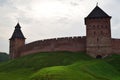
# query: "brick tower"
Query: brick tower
{"points": [[16, 41], [98, 31]]}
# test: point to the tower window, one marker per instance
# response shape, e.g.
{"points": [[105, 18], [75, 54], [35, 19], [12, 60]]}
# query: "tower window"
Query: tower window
{"points": [[93, 26], [89, 26], [94, 32], [98, 26], [105, 26], [97, 39], [101, 32], [101, 26]]}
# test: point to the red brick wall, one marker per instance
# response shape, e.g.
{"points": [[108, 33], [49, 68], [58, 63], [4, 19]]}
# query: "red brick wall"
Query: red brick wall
{"points": [[116, 46], [15, 44], [60, 44], [98, 41]]}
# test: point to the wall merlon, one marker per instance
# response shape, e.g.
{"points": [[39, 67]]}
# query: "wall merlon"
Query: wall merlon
{"points": [[96, 43], [56, 44]]}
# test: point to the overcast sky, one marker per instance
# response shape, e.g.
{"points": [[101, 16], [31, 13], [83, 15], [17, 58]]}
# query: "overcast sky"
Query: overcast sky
{"points": [[43, 19]]}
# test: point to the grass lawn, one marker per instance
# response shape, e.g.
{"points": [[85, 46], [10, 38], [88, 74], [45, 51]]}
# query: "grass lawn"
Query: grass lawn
{"points": [[61, 66]]}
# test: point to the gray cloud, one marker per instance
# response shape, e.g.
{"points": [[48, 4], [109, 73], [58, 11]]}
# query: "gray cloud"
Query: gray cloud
{"points": [[3, 2]]}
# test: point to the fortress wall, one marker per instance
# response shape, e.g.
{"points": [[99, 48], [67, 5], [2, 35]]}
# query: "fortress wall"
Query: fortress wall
{"points": [[73, 44], [116, 46]]}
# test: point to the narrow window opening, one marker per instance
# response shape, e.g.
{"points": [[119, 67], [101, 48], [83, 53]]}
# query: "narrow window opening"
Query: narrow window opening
{"points": [[101, 26], [101, 32], [93, 26], [97, 39], [106, 27], [94, 32], [98, 26]]}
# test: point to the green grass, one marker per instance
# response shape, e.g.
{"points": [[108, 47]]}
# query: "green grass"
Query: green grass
{"points": [[61, 66]]}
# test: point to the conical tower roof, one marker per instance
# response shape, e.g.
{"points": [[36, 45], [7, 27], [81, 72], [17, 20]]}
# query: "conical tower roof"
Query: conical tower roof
{"points": [[97, 12], [17, 33]]}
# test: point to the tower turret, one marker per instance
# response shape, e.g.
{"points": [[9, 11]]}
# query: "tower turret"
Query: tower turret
{"points": [[16, 41], [98, 31]]}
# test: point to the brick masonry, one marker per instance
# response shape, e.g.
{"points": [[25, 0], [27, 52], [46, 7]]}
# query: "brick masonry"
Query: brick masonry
{"points": [[97, 42], [59, 44]]}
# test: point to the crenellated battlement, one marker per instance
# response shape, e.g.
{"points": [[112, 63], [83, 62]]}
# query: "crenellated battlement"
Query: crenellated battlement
{"points": [[97, 43], [62, 38], [55, 44], [55, 40]]}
